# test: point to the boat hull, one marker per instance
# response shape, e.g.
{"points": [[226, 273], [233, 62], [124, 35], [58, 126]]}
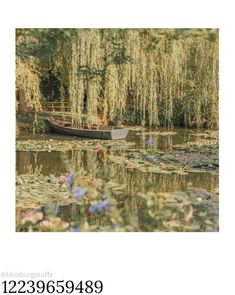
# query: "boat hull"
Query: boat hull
{"points": [[118, 133]]}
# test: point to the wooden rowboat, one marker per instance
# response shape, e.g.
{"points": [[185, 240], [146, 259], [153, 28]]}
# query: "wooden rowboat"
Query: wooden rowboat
{"points": [[95, 131]]}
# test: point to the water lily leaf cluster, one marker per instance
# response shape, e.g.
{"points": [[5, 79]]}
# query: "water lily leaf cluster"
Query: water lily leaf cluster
{"points": [[81, 198], [106, 206], [62, 145]]}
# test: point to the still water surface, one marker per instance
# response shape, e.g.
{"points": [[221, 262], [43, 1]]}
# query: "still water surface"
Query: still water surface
{"points": [[97, 164]]}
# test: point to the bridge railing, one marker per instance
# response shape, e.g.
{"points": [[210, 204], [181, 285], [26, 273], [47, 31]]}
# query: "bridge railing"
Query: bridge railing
{"points": [[56, 106]]}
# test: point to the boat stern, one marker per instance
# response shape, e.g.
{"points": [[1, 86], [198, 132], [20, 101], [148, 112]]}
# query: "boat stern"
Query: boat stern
{"points": [[119, 133]]}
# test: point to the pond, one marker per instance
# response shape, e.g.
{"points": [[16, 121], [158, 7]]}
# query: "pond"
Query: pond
{"points": [[130, 178]]}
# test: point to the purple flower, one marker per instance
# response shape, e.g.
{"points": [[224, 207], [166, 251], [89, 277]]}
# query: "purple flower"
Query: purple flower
{"points": [[151, 158], [78, 192], [114, 226], [149, 140], [102, 206], [69, 178], [75, 229], [93, 208]]}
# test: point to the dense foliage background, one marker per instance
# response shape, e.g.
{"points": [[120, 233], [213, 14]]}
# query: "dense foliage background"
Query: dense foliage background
{"points": [[153, 77]]}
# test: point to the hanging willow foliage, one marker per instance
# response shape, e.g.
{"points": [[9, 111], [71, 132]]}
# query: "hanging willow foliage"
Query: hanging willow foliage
{"points": [[85, 75], [151, 77], [27, 85], [27, 77], [157, 78], [63, 65]]}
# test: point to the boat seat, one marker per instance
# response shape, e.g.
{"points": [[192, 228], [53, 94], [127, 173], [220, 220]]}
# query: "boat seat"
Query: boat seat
{"points": [[91, 127], [105, 127]]}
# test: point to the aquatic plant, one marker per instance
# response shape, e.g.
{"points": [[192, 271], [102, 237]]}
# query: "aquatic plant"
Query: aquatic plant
{"points": [[151, 158], [104, 197], [101, 206], [78, 192], [149, 141]]}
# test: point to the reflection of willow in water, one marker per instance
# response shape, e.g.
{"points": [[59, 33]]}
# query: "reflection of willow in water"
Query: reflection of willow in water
{"points": [[28, 163], [97, 164], [19, 213], [168, 142], [136, 181], [157, 141], [88, 161], [175, 182], [39, 163], [76, 215]]}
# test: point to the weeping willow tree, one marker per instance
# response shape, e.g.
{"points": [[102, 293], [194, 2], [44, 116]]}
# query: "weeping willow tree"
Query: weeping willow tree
{"points": [[27, 86], [84, 75], [153, 77], [27, 79], [35, 59]]}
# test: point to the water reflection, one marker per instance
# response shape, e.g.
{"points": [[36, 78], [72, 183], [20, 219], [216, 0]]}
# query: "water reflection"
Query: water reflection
{"points": [[39, 162], [97, 164]]}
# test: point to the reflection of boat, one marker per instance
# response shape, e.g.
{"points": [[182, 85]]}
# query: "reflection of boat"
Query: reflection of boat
{"points": [[95, 131]]}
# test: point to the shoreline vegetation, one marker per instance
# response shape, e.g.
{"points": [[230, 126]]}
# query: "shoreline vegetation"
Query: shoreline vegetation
{"points": [[152, 77]]}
